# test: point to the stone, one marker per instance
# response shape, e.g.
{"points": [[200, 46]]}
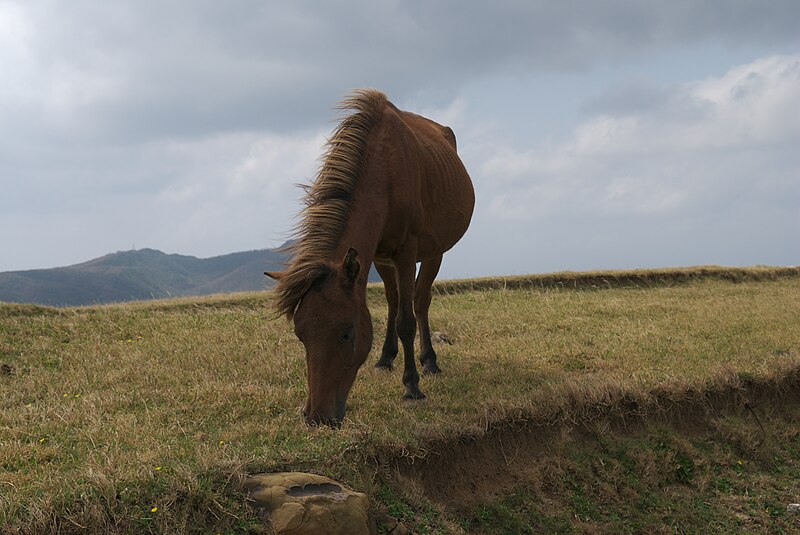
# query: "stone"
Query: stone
{"points": [[298, 503], [440, 338], [793, 508]]}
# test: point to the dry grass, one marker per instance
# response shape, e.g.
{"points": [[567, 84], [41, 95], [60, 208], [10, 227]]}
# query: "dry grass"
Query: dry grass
{"points": [[110, 412]]}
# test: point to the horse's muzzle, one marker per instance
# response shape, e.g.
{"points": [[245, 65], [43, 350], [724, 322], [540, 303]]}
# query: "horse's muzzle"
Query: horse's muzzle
{"points": [[316, 419], [334, 420]]}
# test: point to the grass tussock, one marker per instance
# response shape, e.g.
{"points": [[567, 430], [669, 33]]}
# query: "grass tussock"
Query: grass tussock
{"points": [[10, 310], [142, 417]]}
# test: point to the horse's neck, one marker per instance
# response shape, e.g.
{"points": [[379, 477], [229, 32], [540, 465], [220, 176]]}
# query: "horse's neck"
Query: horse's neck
{"points": [[362, 233]]}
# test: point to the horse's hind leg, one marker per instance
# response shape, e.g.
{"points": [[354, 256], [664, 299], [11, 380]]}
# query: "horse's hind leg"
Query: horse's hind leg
{"points": [[387, 273], [422, 301]]}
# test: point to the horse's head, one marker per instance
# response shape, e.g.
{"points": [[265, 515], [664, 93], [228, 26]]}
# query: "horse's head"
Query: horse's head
{"points": [[333, 323]]}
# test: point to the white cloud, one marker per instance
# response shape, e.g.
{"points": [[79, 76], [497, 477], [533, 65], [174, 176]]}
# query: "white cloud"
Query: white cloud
{"points": [[750, 104], [15, 33], [232, 165], [273, 161], [237, 188], [710, 139]]}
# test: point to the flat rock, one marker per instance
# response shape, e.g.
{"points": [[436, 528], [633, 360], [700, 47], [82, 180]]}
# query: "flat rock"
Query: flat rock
{"points": [[298, 503]]}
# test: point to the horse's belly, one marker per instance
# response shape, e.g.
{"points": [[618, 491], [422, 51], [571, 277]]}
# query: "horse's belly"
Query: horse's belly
{"points": [[447, 213], [437, 234], [430, 246], [441, 232]]}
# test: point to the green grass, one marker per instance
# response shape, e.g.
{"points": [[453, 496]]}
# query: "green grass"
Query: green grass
{"points": [[109, 412]]}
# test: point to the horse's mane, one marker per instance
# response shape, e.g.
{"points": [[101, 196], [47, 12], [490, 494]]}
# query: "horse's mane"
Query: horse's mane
{"points": [[327, 201]]}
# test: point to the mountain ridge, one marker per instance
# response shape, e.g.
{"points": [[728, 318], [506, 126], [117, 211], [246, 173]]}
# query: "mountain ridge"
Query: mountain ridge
{"points": [[141, 274]]}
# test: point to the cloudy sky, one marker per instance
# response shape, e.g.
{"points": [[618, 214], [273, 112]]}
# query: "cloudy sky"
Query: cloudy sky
{"points": [[603, 134]]}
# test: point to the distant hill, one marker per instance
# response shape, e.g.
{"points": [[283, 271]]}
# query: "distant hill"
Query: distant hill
{"points": [[142, 274], [138, 275]]}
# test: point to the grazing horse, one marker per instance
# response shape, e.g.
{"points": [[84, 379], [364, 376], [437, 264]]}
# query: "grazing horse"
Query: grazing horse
{"points": [[391, 191]]}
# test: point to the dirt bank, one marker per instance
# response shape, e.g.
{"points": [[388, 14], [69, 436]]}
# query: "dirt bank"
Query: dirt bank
{"points": [[459, 474]]}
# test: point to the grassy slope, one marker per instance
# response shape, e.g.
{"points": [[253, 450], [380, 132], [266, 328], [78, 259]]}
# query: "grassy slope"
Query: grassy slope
{"points": [[110, 412]]}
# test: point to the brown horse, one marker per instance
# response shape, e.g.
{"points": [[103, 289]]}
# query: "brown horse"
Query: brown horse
{"points": [[391, 190]]}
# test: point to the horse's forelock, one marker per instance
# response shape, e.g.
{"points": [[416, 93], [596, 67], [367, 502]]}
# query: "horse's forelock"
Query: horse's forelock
{"points": [[295, 284]]}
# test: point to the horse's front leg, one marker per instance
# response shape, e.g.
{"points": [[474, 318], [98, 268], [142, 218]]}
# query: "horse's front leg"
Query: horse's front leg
{"points": [[405, 265], [422, 302], [389, 352]]}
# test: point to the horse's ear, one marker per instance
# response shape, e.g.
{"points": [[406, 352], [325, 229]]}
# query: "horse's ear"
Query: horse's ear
{"points": [[350, 266], [274, 275]]}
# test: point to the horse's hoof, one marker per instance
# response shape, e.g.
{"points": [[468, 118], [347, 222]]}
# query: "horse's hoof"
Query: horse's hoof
{"points": [[430, 368], [381, 365], [413, 393]]}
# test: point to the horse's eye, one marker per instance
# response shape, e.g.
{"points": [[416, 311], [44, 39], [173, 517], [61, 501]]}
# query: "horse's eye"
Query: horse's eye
{"points": [[347, 335]]}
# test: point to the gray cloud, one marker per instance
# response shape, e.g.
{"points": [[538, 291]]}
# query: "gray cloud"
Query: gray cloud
{"points": [[631, 98], [115, 70]]}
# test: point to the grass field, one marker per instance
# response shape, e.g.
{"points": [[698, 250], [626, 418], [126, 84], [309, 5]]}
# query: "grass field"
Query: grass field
{"points": [[144, 417]]}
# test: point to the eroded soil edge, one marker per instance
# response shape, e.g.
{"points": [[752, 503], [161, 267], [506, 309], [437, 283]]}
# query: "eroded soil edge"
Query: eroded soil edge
{"points": [[458, 474]]}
